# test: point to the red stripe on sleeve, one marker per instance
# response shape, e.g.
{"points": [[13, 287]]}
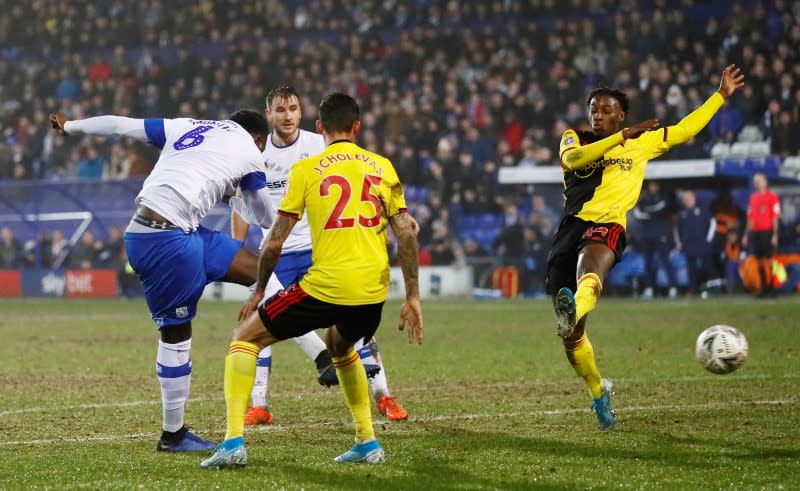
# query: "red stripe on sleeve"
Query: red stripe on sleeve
{"points": [[293, 216]]}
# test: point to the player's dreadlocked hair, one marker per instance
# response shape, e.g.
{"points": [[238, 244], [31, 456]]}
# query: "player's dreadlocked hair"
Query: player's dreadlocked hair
{"points": [[617, 94], [251, 120], [284, 93]]}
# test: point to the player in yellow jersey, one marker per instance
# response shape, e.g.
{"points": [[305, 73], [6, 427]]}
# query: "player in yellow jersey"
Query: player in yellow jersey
{"points": [[603, 174], [350, 195]]}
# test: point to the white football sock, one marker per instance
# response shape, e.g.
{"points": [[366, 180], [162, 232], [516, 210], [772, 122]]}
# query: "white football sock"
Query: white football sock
{"points": [[174, 371], [260, 393], [311, 343], [377, 384]]}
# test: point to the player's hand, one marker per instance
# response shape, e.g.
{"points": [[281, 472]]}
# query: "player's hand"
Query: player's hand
{"points": [[774, 240], [636, 130], [411, 313], [251, 304], [731, 80], [57, 121], [414, 225], [744, 241]]}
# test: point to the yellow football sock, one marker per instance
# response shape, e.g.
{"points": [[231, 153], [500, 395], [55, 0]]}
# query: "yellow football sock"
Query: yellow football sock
{"points": [[582, 359], [353, 381], [240, 372], [589, 288]]}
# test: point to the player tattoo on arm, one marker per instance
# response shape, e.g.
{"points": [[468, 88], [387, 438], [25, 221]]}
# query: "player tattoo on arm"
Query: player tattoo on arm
{"points": [[272, 249], [408, 250]]}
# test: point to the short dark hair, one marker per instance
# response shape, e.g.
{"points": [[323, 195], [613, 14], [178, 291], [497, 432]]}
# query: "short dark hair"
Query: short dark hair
{"points": [[338, 112], [617, 94], [283, 92], [251, 120]]}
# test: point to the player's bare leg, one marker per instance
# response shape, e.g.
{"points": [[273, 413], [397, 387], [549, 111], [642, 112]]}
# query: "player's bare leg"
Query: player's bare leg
{"points": [[243, 268]]}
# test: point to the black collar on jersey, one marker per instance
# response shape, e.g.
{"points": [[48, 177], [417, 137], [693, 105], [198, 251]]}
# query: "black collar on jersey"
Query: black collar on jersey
{"points": [[343, 140]]}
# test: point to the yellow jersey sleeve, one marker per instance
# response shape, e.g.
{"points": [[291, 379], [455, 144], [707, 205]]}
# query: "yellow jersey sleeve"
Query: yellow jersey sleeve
{"points": [[569, 141], [293, 203], [657, 142], [580, 156], [395, 199]]}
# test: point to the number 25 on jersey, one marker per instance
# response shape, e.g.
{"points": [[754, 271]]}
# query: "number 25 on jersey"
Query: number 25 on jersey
{"points": [[335, 219]]}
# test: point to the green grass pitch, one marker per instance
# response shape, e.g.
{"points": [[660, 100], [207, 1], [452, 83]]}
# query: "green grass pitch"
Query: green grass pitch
{"points": [[493, 402]]}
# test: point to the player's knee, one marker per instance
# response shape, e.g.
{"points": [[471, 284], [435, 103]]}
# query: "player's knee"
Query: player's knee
{"points": [[252, 330], [177, 333], [337, 344]]}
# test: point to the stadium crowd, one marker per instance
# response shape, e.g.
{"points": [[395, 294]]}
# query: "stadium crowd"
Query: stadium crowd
{"points": [[450, 91]]}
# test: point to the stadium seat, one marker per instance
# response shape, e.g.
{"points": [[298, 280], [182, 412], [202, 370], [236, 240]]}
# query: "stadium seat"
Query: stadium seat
{"points": [[750, 134], [468, 223], [740, 150], [772, 166], [751, 166], [485, 238], [720, 151], [759, 149], [731, 167], [491, 221]]}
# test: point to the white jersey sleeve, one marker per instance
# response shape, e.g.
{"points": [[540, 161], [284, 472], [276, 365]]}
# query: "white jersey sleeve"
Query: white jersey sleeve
{"points": [[278, 161], [202, 162], [109, 126]]}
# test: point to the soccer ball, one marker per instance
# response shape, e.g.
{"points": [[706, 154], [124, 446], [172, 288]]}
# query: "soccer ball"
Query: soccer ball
{"points": [[721, 349]]}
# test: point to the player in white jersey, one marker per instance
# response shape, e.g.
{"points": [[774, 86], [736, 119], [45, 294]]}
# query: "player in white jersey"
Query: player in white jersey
{"points": [[201, 164], [287, 144]]}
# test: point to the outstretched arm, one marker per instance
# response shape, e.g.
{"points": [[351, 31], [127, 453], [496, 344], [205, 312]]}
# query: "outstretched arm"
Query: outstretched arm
{"points": [[101, 125], [731, 80], [574, 156]]}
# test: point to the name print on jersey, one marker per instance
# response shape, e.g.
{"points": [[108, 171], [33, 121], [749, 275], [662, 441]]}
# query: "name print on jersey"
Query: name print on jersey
{"points": [[329, 160]]}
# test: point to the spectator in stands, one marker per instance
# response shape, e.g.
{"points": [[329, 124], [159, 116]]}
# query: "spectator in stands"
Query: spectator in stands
{"points": [[85, 254], [53, 246], [542, 216], [761, 232], [726, 124], [112, 252], [534, 262], [694, 232], [442, 252], [10, 250], [654, 212], [91, 165], [509, 243], [119, 164], [727, 221], [443, 89], [786, 136]]}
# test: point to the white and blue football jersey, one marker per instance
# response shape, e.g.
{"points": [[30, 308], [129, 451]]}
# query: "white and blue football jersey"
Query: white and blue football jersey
{"points": [[278, 162], [201, 162]]}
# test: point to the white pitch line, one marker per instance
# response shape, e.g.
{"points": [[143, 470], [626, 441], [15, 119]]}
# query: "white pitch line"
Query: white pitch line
{"points": [[406, 390], [431, 419], [104, 405]]}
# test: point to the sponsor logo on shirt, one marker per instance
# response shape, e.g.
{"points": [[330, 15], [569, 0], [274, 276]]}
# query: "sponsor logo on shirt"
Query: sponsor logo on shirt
{"points": [[277, 184], [625, 165], [181, 312]]}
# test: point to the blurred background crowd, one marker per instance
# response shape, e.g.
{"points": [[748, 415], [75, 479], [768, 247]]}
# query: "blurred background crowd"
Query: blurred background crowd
{"points": [[450, 91]]}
